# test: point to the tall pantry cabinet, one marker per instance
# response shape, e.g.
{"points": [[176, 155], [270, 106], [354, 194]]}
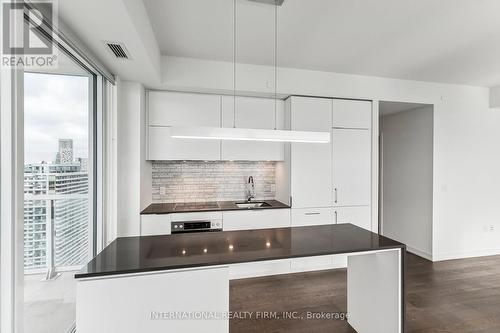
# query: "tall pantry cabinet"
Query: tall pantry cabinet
{"points": [[331, 183]]}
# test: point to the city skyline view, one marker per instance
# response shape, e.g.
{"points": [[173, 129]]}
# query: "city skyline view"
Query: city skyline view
{"points": [[56, 107], [56, 198]]}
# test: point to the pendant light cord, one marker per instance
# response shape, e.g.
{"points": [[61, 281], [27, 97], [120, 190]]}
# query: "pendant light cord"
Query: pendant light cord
{"points": [[275, 64], [234, 63]]}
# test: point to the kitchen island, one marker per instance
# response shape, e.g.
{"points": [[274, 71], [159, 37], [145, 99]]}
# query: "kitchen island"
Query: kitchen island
{"points": [[180, 283]]}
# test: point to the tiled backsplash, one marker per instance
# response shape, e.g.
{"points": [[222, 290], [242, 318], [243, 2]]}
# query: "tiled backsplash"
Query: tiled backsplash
{"points": [[195, 181]]}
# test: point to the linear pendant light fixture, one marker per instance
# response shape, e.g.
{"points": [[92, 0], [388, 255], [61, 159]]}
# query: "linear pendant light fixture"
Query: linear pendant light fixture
{"points": [[251, 134], [248, 134]]}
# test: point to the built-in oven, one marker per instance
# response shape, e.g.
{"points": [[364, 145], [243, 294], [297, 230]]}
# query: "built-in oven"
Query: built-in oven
{"points": [[196, 226]]}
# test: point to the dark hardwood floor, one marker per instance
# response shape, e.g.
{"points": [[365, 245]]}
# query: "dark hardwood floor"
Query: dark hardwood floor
{"points": [[455, 296]]}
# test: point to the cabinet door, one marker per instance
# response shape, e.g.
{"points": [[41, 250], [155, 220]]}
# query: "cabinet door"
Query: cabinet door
{"points": [[161, 146], [311, 163], [311, 263], [256, 219], [155, 224], [166, 109], [261, 268], [255, 113], [352, 114], [351, 167], [360, 216]]}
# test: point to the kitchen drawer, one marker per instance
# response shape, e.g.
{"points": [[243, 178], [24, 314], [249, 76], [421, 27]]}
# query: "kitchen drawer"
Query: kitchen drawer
{"points": [[311, 216], [256, 219], [197, 216], [155, 224], [312, 263], [261, 268]]}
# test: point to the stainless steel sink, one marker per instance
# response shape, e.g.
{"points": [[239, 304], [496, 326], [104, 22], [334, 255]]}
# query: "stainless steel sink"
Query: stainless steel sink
{"points": [[253, 204]]}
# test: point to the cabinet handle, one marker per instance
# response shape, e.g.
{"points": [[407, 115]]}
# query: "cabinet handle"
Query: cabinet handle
{"points": [[336, 195], [336, 217], [314, 213]]}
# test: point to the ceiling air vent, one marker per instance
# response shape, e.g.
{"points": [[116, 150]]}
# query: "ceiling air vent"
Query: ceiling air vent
{"points": [[118, 49]]}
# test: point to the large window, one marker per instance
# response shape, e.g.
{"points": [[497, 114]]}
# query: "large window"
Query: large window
{"points": [[58, 159], [59, 193]]}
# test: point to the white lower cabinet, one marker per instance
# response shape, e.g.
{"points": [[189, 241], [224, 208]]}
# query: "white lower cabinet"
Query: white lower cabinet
{"points": [[357, 215], [311, 216], [261, 268], [311, 263], [317, 263], [256, 219], [196, 216], [155, 224]]}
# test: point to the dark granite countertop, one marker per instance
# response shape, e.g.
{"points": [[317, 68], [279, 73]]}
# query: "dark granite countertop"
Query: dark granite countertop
{"points": [[167, 252], [188, 207]]}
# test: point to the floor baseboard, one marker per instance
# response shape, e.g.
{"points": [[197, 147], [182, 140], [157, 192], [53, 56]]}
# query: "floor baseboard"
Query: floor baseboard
{"points": [[464, 255], [419, 253]]}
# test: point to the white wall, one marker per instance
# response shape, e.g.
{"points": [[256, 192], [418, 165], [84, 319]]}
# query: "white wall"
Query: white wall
{"points": [[134, 172], [407, 189], [466, 138]]}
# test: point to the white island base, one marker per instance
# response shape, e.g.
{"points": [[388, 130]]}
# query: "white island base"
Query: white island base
{"points": [[197, 300]]}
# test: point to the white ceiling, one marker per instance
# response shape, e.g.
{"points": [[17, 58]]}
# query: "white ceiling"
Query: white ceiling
{"points": [[95, 22], [386, 108], [451, 41]]}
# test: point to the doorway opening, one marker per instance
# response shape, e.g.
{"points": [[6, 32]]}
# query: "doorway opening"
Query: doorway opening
{"points": [[406, 174]]}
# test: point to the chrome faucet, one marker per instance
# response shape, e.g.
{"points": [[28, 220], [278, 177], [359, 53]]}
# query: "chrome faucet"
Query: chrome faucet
{"points": [[250, 192]]}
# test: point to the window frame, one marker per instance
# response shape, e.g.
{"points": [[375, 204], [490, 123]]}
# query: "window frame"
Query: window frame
{"points": [[12, 174]]}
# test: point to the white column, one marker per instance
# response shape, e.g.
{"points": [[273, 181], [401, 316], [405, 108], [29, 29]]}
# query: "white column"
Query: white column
{"points": [[375, 292], [11, 190]]}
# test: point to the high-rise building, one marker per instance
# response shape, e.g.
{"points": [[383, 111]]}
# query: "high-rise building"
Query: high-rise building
{"points": [[83, 163], [56, 215], [65, 154]]}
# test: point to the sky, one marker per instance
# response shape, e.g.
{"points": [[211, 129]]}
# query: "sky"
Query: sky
{"points": [[55, 107]]}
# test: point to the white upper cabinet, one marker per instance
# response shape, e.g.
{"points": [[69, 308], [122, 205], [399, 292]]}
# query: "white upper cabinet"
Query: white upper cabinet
{"points": [[352, 114], [351, 167], [166, 109], [251, 112], [163, 147], [311, 163]]}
